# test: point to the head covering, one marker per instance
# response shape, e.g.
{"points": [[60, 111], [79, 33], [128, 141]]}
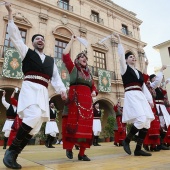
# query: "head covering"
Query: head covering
{"points": [[128, 54], [84, 53], [152, 76], [85, 69], [33, 37]]}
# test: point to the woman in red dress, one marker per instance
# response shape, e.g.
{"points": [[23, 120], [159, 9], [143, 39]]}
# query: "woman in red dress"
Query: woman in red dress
{"points": [[77, 117]]}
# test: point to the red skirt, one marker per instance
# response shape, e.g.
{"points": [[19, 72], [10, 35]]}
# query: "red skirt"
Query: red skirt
{"points": [[77, 126], [120, 134], [152, 136], [14, 129], [167, 137]]}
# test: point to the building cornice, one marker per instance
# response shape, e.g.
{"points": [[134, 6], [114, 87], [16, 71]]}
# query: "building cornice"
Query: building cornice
{"points": [[80, 18], [157, 47], [109, 5]]}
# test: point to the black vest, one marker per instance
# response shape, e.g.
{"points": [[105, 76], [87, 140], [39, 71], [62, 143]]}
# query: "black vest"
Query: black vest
{"points": [[52, 114], [97, 113], [32, 62], [159, 94], [131, 77], [10, 112]]}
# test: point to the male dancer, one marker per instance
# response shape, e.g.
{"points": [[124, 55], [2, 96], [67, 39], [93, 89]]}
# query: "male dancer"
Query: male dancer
{"points": [[33, 102], [51, 128], [96, 124], [136, 109]]}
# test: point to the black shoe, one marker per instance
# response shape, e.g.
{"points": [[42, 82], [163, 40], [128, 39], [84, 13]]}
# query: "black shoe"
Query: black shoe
{"points": [[146, 147], [142, 153], [94, 144], [126, 147], [83, 158], [51, 146], [10, 159], [69, 154], [4, 147], [47, 144], [77, 148], [116, 144], [98, 144], [154, 149], [163, 147]]}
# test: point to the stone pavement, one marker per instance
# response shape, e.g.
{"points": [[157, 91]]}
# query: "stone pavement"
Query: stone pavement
{"points": [[105, 157]]}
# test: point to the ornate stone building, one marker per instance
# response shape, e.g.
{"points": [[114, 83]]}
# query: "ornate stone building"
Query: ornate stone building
{"points": [[93, 20]]}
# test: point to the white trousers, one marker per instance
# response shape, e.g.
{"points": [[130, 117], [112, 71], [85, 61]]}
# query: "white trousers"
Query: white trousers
{"points": [[32, 116]]}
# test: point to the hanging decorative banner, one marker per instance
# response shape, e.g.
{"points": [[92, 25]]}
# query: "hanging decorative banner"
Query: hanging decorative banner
{"points": [[12, 66], [63, 72], [104, 80]]}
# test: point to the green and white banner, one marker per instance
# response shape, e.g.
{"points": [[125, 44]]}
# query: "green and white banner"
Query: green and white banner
{"points": [[104, 80], [63, 72], [12, 66]]}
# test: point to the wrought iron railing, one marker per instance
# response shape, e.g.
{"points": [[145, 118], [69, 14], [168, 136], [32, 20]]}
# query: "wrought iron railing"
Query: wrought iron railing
{"points": [[96, 19], [2, 50], [94, 72], [126, 32], [65, 6]]}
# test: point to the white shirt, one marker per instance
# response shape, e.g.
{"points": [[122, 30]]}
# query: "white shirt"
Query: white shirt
{"points": [[6, 104], [18, 43]]}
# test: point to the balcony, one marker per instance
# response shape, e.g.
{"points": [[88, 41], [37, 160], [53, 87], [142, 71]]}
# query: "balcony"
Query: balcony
{"points": [[96, 19], [94, 72], [126, 32], [2, 50], [65, 6]]}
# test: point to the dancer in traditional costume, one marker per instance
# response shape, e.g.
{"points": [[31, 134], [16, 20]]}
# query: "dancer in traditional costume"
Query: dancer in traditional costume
{"points": [[11, 113], [51, 128], [152, 138], [77, 120], [120, 128], [163, 114], [136, 108], [97, 128], [33, 101]]}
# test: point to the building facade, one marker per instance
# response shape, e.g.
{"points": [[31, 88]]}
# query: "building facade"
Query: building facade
{"points": [[92, 20], [164, 50]]}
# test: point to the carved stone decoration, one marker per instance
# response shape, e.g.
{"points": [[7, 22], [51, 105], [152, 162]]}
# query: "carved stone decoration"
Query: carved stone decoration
{"points": [[114, 42], [109, 13], [101, 47], [19, 19], [64, 20], [83, 31], [43, 18], [63, 32]]}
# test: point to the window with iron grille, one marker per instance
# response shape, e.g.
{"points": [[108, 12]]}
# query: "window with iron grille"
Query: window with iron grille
{"points": [[99, 61], [8, 42], [64, 4], [124, 29], [59, 46], [95, 16]]}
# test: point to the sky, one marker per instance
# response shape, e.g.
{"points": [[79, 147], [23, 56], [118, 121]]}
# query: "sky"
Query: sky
{"points": [[155, 28]]}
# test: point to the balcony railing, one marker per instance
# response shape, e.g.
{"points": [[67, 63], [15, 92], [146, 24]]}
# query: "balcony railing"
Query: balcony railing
{"points": [[96, 19], [2, 50], [65, 6], [126, 32], [94, 72]]}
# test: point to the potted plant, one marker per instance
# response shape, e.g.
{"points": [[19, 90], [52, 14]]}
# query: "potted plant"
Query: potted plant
{"points": [[41, 134], [109, 128]]}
